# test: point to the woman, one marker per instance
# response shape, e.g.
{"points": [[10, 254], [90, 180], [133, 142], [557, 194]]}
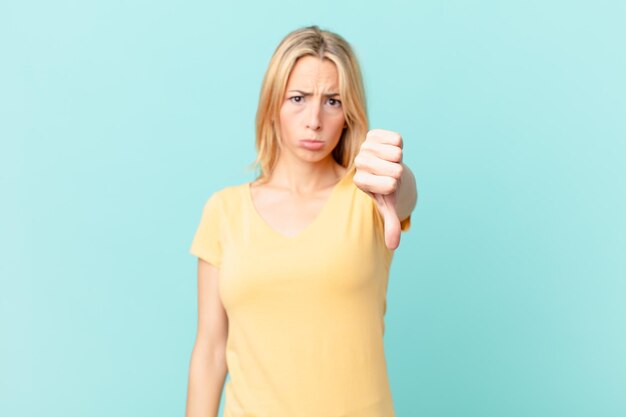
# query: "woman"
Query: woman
{"points": [[293, 267]]}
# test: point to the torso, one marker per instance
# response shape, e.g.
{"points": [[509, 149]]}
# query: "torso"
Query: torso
{"points": [[288, 214]]}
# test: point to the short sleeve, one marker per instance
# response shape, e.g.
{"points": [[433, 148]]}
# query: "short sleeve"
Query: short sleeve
{"points": [[405, 224], [206, 242]]}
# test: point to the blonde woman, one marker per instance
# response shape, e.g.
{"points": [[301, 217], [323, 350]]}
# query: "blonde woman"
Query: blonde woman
{"points": [[293, 267]]}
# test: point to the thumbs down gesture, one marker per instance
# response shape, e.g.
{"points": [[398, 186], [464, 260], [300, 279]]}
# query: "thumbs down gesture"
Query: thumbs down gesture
{"points": [[379, 172]]}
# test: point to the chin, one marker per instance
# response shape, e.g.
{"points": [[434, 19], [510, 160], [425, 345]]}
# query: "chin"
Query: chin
{"points": [[311, 156], [314, 158]]}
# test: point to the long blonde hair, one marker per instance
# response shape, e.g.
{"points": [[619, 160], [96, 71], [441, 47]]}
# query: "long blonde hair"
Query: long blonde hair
{"points": [[324, 44]]}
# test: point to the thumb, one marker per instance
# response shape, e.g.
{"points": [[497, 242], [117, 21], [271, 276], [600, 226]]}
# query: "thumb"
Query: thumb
{"points": [[387, 203]]}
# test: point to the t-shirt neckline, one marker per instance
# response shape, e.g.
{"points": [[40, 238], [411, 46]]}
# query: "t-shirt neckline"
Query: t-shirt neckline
{"points": [[307, 229]]}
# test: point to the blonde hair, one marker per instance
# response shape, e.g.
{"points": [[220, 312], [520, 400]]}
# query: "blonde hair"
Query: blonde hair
{"points": [[326, 45]]}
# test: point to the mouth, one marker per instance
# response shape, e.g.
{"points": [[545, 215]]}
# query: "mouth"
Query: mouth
{"points": [[311, 144]]}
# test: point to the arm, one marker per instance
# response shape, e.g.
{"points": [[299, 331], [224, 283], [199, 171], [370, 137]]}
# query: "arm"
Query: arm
{"points": [[207, 369], [407, 193]]}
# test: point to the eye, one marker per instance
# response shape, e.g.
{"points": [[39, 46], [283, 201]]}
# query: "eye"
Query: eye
{"points": [[334, 102], [296, 99]]}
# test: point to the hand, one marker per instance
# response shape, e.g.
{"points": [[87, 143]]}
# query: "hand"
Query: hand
{"points": [[378, 172]]}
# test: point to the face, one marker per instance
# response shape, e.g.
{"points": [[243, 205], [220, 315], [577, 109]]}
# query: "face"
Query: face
{"points": [[312, 110]]}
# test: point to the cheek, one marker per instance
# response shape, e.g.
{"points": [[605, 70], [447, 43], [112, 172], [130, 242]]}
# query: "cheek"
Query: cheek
{"points": [[337, 121]]}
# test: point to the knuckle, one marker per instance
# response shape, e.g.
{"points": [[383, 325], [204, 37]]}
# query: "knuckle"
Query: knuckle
{"points": [[397, 155], [399, 171]]}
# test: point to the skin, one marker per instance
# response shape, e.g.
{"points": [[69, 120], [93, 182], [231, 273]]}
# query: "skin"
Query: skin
{"points": [[208, 367]]}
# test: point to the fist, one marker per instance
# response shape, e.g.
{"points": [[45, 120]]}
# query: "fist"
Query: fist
{"points": [[378, 171]]}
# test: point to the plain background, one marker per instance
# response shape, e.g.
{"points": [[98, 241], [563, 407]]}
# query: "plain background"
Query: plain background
{"points": [[120, 118]]}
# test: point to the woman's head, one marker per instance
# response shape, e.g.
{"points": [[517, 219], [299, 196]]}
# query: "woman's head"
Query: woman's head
{"points": [[318, 58]]}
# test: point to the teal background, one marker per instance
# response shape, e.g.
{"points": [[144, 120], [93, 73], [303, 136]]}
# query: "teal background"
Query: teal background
{"points": [[118, 120]]}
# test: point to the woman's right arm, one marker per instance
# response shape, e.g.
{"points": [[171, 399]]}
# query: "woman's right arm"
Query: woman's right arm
{"points": [[207, 369]]}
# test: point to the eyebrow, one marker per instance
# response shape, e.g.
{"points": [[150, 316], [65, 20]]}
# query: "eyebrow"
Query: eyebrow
{"points": [[306, 93]]}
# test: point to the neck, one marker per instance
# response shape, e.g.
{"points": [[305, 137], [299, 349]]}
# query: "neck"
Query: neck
{"points": [[303, 178]]}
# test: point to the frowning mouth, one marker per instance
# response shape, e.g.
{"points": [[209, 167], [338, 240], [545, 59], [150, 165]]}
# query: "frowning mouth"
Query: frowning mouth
{"points": [[311, 144]]}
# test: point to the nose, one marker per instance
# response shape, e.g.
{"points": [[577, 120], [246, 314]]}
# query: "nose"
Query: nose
{"points": [[314, 121]]}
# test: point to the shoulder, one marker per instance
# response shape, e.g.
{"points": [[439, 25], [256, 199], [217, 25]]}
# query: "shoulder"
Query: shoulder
{"points": [[228, 197]]}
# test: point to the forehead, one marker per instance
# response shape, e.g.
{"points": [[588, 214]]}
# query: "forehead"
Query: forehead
{"points": [[313, 72]]}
